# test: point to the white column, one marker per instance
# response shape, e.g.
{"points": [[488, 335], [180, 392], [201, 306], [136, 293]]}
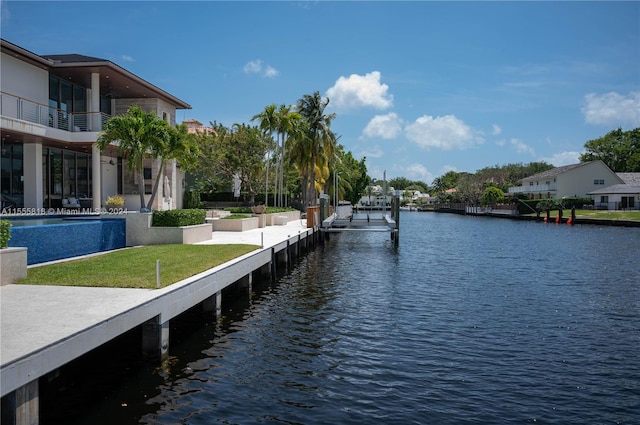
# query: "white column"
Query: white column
{"points": [[96, 182], [94, 107], [32, 162]]}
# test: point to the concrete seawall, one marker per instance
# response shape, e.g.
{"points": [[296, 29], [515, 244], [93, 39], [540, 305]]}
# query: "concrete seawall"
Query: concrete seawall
{"points": [[45, 327]]}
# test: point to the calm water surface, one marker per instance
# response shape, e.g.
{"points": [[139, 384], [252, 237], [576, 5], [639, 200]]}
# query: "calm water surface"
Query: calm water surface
{"points": [[470, 320]]}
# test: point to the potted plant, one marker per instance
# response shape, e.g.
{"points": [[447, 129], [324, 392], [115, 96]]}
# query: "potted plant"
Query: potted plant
{"points": [[114, 202]]}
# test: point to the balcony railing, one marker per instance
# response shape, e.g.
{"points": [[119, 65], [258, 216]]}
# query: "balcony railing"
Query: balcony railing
{"points": [[26, 110], [533, 189]]}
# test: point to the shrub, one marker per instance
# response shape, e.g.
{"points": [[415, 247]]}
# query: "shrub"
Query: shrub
{"points": [[114, 201], [247, 210], [177, 218], [192, 199], [235, 216], [5, 233]]}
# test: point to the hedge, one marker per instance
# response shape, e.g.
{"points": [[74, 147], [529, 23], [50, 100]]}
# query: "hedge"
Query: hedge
{"points": [[248, 210], [177, 218], [5, 233]]}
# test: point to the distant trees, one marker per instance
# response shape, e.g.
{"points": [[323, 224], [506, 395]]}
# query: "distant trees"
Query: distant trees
{"points": [[620, 150], [236, 152]]}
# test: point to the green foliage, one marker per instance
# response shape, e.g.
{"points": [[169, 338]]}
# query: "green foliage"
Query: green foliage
{"points": [[247, 210], [192, 199], [620, 150], [5, 233], [233, 151], [492, 196], [236, 216], [177, 218]]}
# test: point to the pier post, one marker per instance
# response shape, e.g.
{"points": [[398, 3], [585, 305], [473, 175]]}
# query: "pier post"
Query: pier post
{"points": [[212, 306], [246, 283], [155, 339], [22, 406]]}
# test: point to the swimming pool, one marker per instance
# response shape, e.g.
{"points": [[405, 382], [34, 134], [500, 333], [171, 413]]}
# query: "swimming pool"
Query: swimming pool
{"points": [[56, 238]]}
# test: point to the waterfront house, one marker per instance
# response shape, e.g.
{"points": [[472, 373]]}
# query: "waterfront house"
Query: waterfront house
{"points": [[619, 196], [575, 180], [52, 110]]}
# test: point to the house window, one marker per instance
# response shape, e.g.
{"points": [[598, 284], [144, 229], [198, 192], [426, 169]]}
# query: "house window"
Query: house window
{"points": [[604, 199], [596, 181], [530, 183]]}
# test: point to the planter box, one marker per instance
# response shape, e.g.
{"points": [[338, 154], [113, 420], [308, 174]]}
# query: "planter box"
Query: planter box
{"points": [[262, 220], [273, 220], [140, 232], [13, 263], [235, 225]]}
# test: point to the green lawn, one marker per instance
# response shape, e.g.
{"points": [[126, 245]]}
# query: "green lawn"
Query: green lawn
{"points": [[597, 214], [136, 267]]}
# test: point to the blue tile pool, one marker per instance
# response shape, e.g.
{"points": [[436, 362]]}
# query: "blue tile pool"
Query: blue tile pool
{"points": [[56, 238]]}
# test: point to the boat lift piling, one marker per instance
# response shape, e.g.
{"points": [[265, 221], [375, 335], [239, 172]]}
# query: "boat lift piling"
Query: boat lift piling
{"points": [[363, 222]]}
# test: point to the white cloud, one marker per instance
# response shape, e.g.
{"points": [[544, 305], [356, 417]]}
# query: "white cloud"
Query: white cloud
{"points": [[501, 142], [387, 126], [447, 132], [496, 130], [521, 147], [372, 152], [360, 90], [418, 172], [253, 67], [612, 109], [563, 158], [271, 72], [258, 67], [127, 58]]}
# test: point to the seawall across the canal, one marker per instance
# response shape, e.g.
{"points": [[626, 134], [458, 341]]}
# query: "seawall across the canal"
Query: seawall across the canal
{"points": [[44, 327]]}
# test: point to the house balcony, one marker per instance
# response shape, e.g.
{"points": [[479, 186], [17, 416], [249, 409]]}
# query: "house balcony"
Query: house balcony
{"points": [[539, 188], [14, 108]]}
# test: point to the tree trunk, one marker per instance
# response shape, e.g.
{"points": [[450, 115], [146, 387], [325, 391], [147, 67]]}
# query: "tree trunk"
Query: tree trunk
{"points": [[156, 185]]}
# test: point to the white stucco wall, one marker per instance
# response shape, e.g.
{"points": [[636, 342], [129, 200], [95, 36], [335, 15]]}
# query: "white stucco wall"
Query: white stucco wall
{"points": [[579, 181], [21, 79]]}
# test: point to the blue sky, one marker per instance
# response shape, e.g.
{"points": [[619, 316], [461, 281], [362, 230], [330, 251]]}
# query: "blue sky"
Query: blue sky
{"points": [[419, 88]]}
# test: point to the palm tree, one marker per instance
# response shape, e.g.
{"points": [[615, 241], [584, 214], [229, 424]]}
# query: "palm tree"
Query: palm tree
{"points": [[287, 126], [137, 135], [268, 123], [318, 143]]}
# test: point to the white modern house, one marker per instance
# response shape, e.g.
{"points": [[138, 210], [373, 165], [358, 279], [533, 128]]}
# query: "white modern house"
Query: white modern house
{"points": [[575, 180], [52, 109]]}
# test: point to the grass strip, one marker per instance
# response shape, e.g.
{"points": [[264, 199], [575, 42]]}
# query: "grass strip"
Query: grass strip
{"points": [[597, 214], [136, 267]]}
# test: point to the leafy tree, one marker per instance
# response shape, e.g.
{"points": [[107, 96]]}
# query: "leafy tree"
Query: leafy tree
{"points": [[492, 195], [620, 150], [236, 151], [138, 135]]}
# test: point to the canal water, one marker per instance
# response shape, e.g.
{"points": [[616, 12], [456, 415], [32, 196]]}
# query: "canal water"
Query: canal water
{"points": [[470, 320]]}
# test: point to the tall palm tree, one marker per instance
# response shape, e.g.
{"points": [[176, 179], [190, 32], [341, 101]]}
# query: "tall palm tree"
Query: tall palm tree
{"points": [[319, 140], [268, 122], [136, 135], [287, 125]]}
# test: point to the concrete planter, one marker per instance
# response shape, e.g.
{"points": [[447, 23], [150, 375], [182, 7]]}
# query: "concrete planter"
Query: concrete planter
{"points": [[235, 225], [140, 232], [276, 219], [13, 263], [262, 220]]}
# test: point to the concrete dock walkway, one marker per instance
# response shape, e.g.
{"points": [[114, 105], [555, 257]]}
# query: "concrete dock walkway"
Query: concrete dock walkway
{"points": [[45, 327]]}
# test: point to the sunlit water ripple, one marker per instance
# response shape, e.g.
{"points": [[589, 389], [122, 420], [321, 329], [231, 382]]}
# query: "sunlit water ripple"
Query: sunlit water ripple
{"points": [[470, 320]]}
